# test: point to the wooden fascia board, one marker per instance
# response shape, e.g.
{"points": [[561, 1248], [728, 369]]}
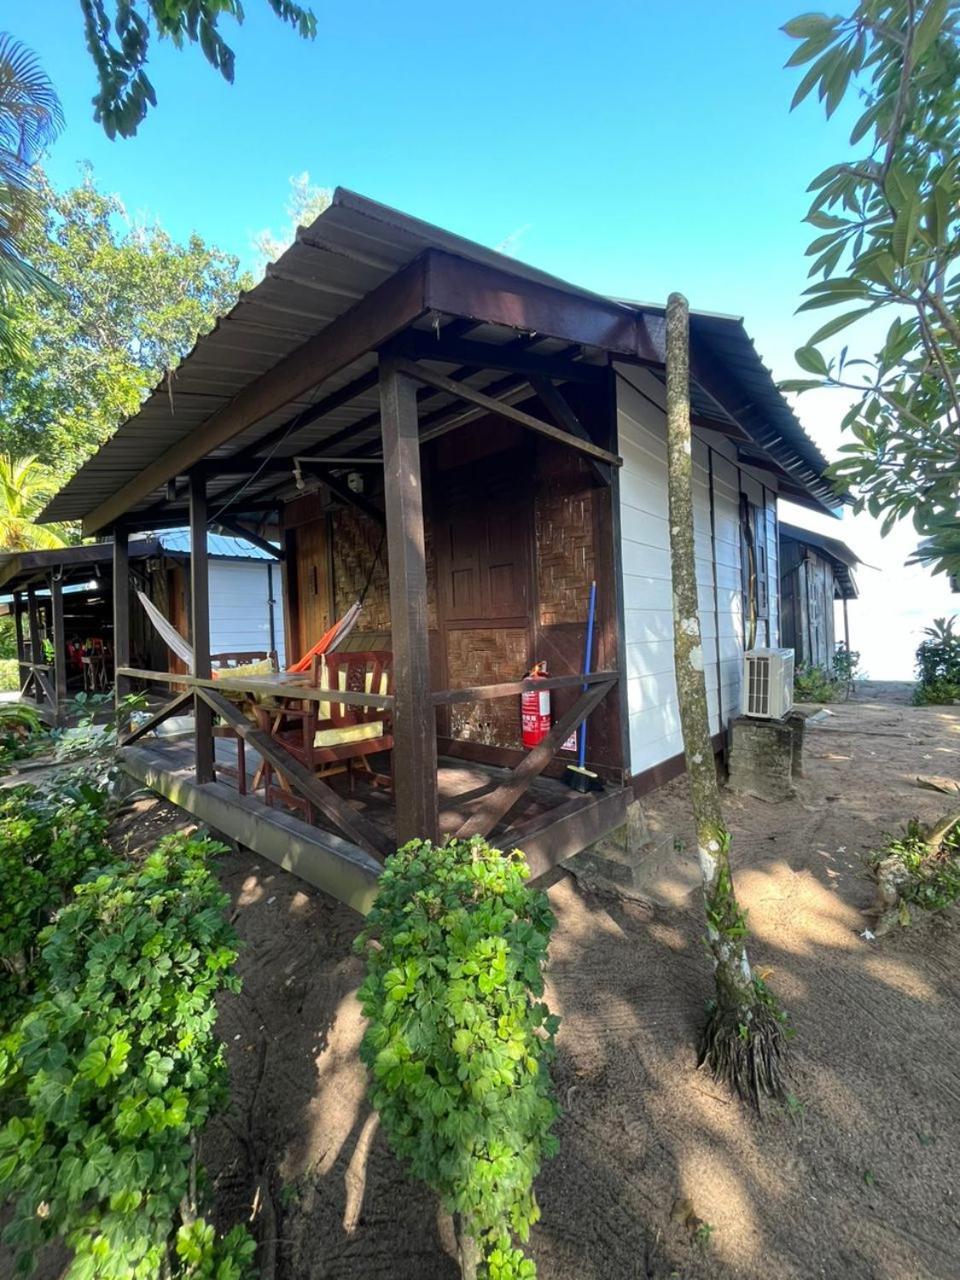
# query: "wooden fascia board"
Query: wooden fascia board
{"points": [[458, 287], [373, 321]]}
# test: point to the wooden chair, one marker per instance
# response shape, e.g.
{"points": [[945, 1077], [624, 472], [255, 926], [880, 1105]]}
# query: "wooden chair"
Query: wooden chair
{"points": [[227, 662], [332, 737]]}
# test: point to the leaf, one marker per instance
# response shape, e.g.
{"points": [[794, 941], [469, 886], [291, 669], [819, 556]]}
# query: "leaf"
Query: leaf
{"points": [[837, 323], [810, 359], [929, 26]]}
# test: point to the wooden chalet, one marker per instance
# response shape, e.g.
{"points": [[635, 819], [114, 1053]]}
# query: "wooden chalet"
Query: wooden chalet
{"points": [[815, 571], [464, 443]]}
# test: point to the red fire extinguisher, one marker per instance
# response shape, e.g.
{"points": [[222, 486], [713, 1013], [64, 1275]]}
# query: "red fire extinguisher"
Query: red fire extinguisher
{"points": [[535, 708]]}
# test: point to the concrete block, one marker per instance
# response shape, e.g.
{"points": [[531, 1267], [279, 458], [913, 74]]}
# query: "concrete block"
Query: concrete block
{"points": [[761, 760]]}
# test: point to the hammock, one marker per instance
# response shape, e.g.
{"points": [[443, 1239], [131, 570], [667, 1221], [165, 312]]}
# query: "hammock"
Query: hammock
{"points": [[168, 632], [330, 639], [184, 650]]}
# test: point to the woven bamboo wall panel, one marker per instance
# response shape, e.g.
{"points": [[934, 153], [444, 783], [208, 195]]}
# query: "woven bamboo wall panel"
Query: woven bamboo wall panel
{"points": [[355, 542], [487, 656], [565, 553]]}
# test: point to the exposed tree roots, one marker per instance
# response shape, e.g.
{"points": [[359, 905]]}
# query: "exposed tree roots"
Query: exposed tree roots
{"points": [[747, 1054]]}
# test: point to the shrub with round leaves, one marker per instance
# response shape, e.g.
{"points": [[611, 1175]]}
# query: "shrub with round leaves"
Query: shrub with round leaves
{"points": [[115, 1066], [459, 1040], [46, 846]]}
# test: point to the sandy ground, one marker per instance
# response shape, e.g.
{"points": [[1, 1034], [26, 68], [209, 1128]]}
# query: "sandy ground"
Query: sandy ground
{"points": [[859, 1178]]}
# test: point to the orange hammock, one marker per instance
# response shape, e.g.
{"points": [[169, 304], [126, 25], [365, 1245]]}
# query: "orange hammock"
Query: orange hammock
{"points": [[330, 639]]}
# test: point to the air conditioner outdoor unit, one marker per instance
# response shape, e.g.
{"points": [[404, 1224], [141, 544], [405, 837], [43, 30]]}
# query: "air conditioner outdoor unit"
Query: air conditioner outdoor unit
{"points": [[767, 683]]}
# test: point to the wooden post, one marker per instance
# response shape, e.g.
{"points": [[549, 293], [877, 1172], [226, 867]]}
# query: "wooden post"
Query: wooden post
{"points": [[121, 611], [59, 647], [846, 625], [414, 726], [21, 646], [200, 615], [36, 649]]}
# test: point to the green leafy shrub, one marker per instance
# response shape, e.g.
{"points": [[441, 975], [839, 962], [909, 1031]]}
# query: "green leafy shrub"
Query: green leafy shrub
{"points": [[460, 1041], [814, 684], [9, 675], [21, 733], [48, 841], [846, 667], [931, 879], [938, 664], [114, 1067]]}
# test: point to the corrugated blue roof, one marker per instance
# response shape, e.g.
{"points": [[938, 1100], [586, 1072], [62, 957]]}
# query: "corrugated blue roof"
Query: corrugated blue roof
{"points": [[177, 541]]}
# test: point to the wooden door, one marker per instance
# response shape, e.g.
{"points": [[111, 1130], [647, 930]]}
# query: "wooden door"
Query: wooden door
{"points": [[484, 533], [314, 614]]}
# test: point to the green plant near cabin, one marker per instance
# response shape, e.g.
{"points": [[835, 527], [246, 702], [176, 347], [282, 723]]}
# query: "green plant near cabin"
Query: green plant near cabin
{"points": [[113, 1069], [459, 1040], [814, 684], [47, 844], [932, 881], [938, 664]]}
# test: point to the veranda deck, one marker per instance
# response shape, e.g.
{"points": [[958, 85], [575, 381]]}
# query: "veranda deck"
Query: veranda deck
{"points": [[549, 823]]}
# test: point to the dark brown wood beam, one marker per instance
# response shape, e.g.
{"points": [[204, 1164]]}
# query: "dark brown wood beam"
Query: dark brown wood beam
{"points": [[491, 405], [414, 724], [421, 344], [182, 702], [59, 646], [339, 811], [121, 609], [373, 321], [558, 408], [249, 535], [200, 619], [498, 805]]}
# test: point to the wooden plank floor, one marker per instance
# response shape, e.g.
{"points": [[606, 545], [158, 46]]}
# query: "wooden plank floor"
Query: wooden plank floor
{"points": [[555, 821]]}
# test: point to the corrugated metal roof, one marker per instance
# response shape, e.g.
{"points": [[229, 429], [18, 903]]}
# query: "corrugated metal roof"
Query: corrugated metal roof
{"points": [[219, 545], [350, 249], [838, 553]]}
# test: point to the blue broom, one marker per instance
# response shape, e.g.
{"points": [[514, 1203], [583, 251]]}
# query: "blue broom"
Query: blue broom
{"points": [[578, 776]]}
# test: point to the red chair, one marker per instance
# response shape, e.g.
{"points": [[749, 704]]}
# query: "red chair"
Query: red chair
{"points": [[332, 737]]}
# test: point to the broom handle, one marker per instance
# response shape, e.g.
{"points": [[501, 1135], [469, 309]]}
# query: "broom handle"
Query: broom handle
{"points": [[587, 655]]}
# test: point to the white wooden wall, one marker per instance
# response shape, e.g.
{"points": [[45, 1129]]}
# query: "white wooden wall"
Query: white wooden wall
{"points": [[648, 602], [240, 609]]}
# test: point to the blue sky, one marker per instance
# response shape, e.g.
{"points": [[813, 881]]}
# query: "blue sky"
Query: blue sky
{"points": [[634, 148]]}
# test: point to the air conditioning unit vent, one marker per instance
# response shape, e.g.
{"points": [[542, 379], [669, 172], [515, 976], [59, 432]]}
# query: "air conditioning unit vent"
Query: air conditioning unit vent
{"points": [[767, 683]]}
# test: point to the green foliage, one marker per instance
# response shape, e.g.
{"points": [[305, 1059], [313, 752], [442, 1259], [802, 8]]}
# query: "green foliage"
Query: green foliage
{"points": [[814, 684], [114, 1067], [938, 664], [125, 93], [132, 301], [817, 684], [933, 875], [30, 119], [460, 1041], [25, 487], [47, 844], [887, 244]]}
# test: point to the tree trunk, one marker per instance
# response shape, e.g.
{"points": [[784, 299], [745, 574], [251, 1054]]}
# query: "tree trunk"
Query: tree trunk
{"points": [[743, 1041], [470, 1255]]}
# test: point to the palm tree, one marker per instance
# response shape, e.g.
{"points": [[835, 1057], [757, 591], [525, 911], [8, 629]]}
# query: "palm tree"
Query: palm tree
{"points": [[24, 488], [30, 119]]}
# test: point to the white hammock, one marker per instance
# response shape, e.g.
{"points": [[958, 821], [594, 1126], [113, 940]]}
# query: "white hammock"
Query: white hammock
{"points": [[168, 632]]}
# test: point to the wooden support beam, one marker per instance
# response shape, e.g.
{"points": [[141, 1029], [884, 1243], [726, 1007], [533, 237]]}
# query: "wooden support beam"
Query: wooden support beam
{"points": [[414, 721], [306, 783], [59, 646], [24, 674], [564, 417], [374, 320], [422, 344], [240, 531], [182, 702], [464, 392], [485, 692], [498, 805], [342, 490], [121, 610], [560, 833], [200, 617], [36, 650]]}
